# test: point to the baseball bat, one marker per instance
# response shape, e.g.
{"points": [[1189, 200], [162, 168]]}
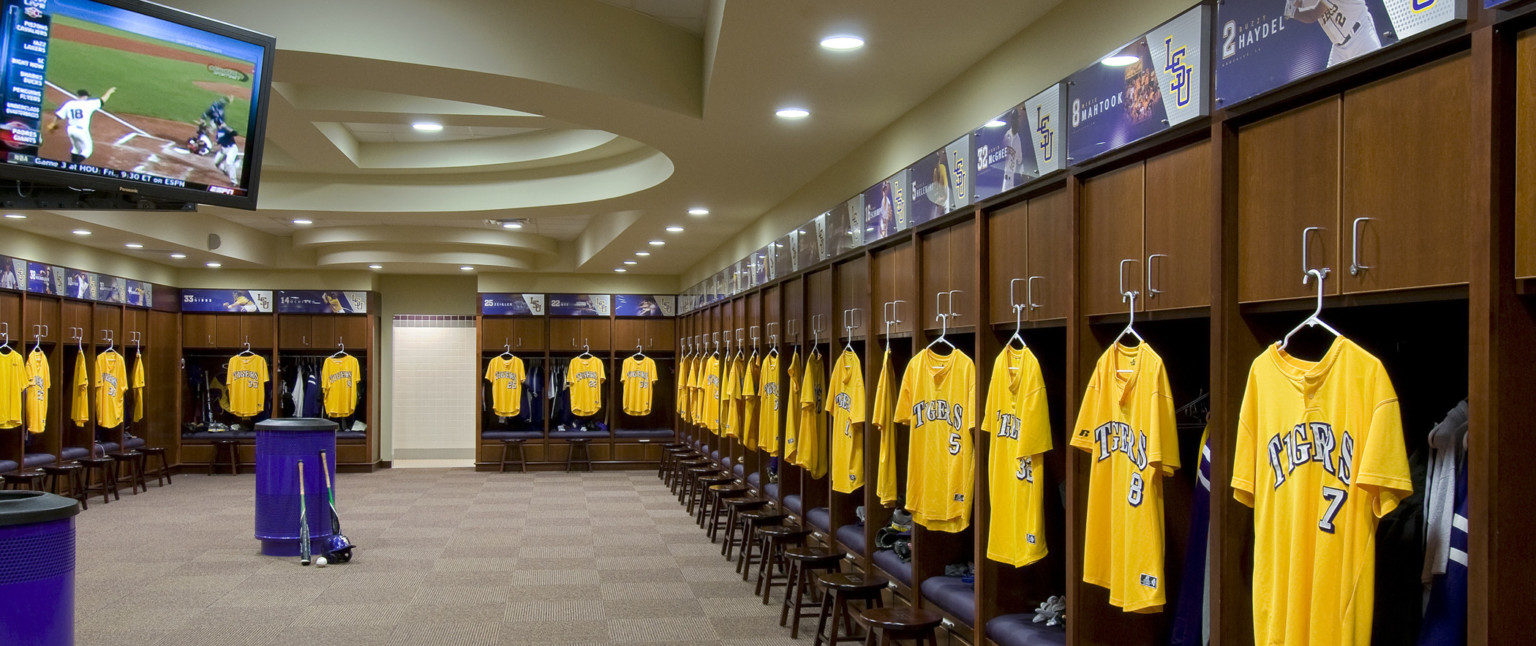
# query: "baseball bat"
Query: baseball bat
{"points": [[303, 521], [330, 494]]}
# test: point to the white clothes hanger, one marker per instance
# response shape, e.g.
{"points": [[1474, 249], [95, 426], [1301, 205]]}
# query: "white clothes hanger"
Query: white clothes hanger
{"points": [[852, 318], [1314, 320], [944, 319], [5, 338], [1018, 319], [893, 317]]}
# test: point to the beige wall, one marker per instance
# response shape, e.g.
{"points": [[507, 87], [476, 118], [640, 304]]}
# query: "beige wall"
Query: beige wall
{"points": [[20, 244], [444, 295], [1066, 39]]}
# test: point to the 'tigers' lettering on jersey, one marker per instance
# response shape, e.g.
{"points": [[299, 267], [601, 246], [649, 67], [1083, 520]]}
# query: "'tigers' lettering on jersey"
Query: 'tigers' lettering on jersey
{"points": [[642, 377], [508, 375], [247, 374], [938, 410], [772, 390], [345, 375], [1119, 437], [1290, 450]]}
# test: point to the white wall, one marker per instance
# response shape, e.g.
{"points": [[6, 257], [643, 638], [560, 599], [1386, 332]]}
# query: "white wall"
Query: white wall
{"points": [[433, 367]]}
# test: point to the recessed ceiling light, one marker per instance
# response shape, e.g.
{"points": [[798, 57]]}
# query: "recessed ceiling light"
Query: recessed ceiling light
{"points": [[133, 245], [842, 43], [674, 229], [427, 126], [658, 243], [698, 210], [179, 256], [303, 221], [1119, 61], [81, 232], [15, 216], [215, 265], [642, 254], [793, 113], [512, 224], [619, 270], [996, 123], [375, 266], [631, 262], [466, 268]]}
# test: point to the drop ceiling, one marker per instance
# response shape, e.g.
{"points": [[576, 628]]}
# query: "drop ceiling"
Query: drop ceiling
{"points": [[601, 122]]}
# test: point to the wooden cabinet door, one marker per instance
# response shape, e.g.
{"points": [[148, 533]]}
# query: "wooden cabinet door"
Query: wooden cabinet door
{"points": [[935, 278], [351, 330], [1177, 263], [852, 293], [295, 332], [496, 334], [1007, 242], [598, 333], [40, 311], [136, 321], [661, 335], [1048, 255], [322, 333], [1412, 181], [197, 330], [107, 320], [962, 271], [10, 315], [565, 335], [1288, 180], [627, 332], [530, 332], [1525, 154], [1113, 214], [257, 329], [77, 315], [818, 300], [228, 333]]}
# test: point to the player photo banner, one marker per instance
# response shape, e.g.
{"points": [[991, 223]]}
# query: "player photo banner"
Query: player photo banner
{"points": [[321, 302], [1148, 86], [110, 289], [936, 185], [845, 226], [1489, 4], [140, 294], [79, 284], [1001, 161], [1266, 44], [45, 279], [226, 300], [13, 273], [579, 304], [644, 305]]}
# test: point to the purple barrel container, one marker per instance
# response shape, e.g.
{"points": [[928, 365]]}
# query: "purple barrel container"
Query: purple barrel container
{"points": [[37, 568], [280, 445]]}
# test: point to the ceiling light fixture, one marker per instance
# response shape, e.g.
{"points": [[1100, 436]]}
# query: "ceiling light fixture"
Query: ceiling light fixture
{"points": [[179, 256], [1119, 60], [375, 266], [133, 245], [674, 229], [631, 262], [303, 221], [466, 268], [215, 265], [642, 254], [81, 232], [698, 210], [15, 216], [619, 270], [842, 43], [427, 126], [793, 113], [996, 123], [658, 243]]}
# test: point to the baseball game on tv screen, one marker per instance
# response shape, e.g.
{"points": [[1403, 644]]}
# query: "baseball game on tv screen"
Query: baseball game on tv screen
{"points": [[102, 91]]}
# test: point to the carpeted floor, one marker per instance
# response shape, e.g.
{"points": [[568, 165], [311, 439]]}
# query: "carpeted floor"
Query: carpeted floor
{"points": [[445, 556]]}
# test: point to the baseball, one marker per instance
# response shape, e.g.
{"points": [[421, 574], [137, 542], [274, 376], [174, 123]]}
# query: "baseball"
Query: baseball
{"points": [[320, 562]]}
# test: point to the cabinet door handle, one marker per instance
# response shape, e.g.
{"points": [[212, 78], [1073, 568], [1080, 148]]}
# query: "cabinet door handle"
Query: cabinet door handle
{"points": [[304, 340], [210, 340], [1122, 276], [1029, 292], [1355, 267], [1152, 292], [1306, 264]]}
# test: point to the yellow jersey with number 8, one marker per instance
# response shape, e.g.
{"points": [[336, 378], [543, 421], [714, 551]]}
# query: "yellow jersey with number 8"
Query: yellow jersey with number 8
{"points": [[937, 400]]}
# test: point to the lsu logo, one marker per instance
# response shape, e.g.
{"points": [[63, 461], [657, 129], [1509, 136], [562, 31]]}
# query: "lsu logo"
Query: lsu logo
{"points": [[1047, 134], [1149, 581], [1181, 72]]}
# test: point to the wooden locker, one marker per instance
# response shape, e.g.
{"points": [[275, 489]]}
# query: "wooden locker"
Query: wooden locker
{"points": [[295, 332], [1176, 263], [351, 330], [598, 333], [1113, 216], [1007, 242], [1049, 256], [1288, 180], [107, 319], [197, 330], [42, 311]]}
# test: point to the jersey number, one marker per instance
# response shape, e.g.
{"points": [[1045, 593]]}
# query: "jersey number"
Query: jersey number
{"points": [[1335, 498], [1134, 497], [77, 113], [1229, 39], [848, 428], [1026, 470], [954, 443]]}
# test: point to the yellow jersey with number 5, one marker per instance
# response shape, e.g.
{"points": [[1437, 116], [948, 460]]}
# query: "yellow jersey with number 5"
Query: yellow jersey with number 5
{"points": [[846, 404], [1018, 421], [937, 401], [1126, 423]]}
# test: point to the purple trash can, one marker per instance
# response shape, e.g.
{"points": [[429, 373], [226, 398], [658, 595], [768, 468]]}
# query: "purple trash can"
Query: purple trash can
{"points": [[37, 568], [280, 445]]}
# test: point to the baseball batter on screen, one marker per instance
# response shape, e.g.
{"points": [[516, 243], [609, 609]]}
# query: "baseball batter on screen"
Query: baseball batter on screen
{"points": [[1347, 23], [77, 114]]}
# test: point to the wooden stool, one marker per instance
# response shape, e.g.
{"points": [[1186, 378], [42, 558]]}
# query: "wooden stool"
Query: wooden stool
{"points": [[681, 479], [163, 470], [521, 461], [669, 452], [586, 455], [838, 589], [693, 484], [750, 521], [771, 554], [803, 561], [670, 465], [31, 478], [135, 467], [899, 623], [734, 507], [715, 498], [223, 448], [72, 473], [705, 482], [105, 475]]}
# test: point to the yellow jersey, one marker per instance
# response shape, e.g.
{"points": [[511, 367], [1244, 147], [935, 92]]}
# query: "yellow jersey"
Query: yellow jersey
{"points": [[111, 388], [13, 380], [39, 380], [768, 404], [584, 377], [1126, 423], [813, 418], [80, 398], [680, 393], [730, 399], [245, 383], [692, 391], [507, 379], [792, 412], [883, 418], [748, 399], [709, 383], [1018, 421], [936, 402], [136, 384], [639, 379], [846, 404], [1320, 458], [338, 383]]}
